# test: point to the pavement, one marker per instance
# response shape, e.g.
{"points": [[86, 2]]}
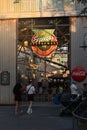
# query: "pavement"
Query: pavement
{"points": [[45, 116]]}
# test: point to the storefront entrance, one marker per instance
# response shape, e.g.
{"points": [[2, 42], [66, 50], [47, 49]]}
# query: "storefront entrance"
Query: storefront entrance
{"points": [[43, 54]]}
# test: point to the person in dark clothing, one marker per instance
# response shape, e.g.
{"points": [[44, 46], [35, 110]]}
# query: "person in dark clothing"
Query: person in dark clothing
{"points": [[17, 91]]}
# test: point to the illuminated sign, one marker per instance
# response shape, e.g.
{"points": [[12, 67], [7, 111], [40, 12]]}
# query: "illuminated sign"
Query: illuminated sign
{"points": [[78, 73], [44, 41]]}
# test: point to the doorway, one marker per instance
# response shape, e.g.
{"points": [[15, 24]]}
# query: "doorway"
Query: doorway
{"points": [[50, 69]]}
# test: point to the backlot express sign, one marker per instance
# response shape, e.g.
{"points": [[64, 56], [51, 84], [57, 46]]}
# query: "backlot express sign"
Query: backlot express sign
{"points": [[45, 42]]}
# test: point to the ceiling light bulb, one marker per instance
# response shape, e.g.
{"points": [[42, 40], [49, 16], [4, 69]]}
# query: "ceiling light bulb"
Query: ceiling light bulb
{"points": [[16, 1]]}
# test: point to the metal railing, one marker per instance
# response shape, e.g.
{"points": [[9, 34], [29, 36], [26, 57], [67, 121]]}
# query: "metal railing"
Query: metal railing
{"points": [[78, 118]]}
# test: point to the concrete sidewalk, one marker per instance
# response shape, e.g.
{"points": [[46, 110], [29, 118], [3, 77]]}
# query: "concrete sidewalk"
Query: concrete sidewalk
{"points": [[44, 117]]}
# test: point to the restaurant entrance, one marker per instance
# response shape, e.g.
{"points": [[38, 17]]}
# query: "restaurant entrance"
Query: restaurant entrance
{"points": [[43, 51]]}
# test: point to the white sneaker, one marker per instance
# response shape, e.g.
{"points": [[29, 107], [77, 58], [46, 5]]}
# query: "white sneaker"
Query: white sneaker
{"points": [[29, 111], [21, 111]]}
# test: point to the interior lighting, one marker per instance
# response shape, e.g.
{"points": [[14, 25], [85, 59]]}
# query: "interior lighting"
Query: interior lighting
{"points": [[64, 75], [42, 74], [26, 43], [48, 43], [54, 72], [60, 71], [24, 29], [67, 72], [16, 1], [34, 75]]}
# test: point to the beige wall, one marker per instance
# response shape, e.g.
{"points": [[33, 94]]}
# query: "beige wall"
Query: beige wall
{"points": [[7, 58], [78, 53], [24, 9], [38, 8]]}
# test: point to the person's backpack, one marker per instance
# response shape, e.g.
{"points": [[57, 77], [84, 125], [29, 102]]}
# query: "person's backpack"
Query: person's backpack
{"points": [[14, 90]]}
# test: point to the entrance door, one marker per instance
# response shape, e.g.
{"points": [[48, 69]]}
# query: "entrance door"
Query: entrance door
{"points": [[43, 54]]}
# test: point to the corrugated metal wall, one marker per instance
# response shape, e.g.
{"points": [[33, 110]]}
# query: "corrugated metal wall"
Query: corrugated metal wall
{"points": [[35, 5], [7, 58], [36, 8], [8, 38], [78, 53], [10, 6]]}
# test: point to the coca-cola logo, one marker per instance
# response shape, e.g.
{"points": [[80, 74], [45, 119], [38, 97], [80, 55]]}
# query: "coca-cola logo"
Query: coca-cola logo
{"points": [[78, 73]]}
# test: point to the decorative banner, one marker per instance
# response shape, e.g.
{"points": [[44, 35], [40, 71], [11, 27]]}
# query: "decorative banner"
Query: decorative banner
{"points": [[79, 74], [42, 40]]}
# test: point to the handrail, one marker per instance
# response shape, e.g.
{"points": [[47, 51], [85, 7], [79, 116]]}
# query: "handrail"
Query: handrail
{"points": [[77, 116]]}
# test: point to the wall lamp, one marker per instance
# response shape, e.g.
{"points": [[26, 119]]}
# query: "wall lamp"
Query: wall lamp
{"points": [[16, 1]]}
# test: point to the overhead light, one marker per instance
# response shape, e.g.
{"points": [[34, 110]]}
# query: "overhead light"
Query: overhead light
{"points": [[16, 1], [64, 75], [67, 72], [26, 43]]}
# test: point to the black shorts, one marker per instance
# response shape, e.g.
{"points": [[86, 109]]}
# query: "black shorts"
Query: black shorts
{"points": [[73, 96], [30, 97], [18, 98]]}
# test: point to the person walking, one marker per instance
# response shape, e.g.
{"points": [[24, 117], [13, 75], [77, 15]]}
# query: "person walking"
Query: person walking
{"points": [[17, 91], [84, 43], [74, 90], [30, 91]]}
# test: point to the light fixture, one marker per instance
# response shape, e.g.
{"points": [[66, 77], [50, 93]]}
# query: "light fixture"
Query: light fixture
{"points": [[67, 72], [16, 1], [60, 71], [26, 43], [64, 75]]}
